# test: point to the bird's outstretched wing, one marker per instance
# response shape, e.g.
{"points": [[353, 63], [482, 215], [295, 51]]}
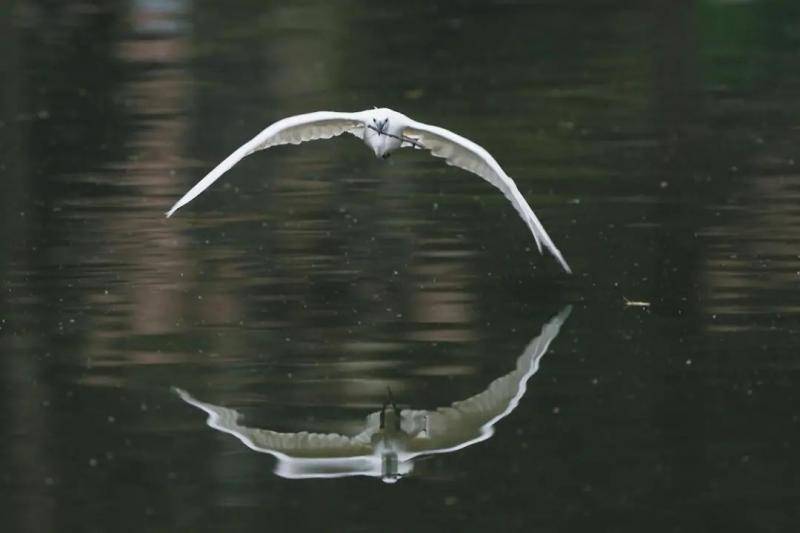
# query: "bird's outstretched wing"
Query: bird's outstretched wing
{"points": [[463, 153], [281, 445], [472, 420], [291, 130]]}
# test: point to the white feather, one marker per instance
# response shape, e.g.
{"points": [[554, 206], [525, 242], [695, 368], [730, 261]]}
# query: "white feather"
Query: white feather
{"points": [[291, 130], [463, 153]]}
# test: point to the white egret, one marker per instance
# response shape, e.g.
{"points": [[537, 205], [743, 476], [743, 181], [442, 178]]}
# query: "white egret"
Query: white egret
{"points": [[384, 131], [391, 439]]}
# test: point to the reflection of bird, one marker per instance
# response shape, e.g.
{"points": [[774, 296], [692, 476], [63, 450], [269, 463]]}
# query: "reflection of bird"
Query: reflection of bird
{"points": [[391, 438], [384, 131]]}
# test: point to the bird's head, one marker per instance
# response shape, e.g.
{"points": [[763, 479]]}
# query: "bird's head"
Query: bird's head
{"points": [[380, 125], [393, 470]]}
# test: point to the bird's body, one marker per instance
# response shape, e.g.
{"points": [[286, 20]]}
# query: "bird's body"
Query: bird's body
{"points": [[385, 131], [384, 135]]}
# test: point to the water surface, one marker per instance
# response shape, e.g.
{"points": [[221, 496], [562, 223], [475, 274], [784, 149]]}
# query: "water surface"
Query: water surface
{"points": [[657, 145]]}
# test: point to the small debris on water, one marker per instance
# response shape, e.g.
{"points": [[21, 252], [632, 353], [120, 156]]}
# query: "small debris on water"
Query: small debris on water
{"points": [[635, 303]]}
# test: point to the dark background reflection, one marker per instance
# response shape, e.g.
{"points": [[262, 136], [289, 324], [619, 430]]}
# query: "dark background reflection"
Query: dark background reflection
{"points": [[657, 141]]}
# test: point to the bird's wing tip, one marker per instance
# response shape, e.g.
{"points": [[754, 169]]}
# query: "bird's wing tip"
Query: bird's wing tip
{"points": [[560, 258], [566, 268]]}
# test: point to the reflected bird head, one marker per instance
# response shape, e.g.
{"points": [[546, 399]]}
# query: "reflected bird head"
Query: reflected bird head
{"points": [[392, 470]]}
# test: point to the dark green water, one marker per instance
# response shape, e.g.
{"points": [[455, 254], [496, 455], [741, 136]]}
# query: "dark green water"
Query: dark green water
{"points": [[658, 144]]}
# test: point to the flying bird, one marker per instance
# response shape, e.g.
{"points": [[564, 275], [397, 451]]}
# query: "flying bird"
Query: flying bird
{"points": [[391, 439], [384, 131]]}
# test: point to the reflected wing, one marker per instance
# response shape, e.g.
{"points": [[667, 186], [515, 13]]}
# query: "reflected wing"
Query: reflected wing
{"points": [[292, 130], [470, 421], [282, 445], [463, 153]]}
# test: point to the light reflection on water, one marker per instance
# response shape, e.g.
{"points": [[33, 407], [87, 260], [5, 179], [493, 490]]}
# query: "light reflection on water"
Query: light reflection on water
{"points": [[658, 149], [391, 440]]}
